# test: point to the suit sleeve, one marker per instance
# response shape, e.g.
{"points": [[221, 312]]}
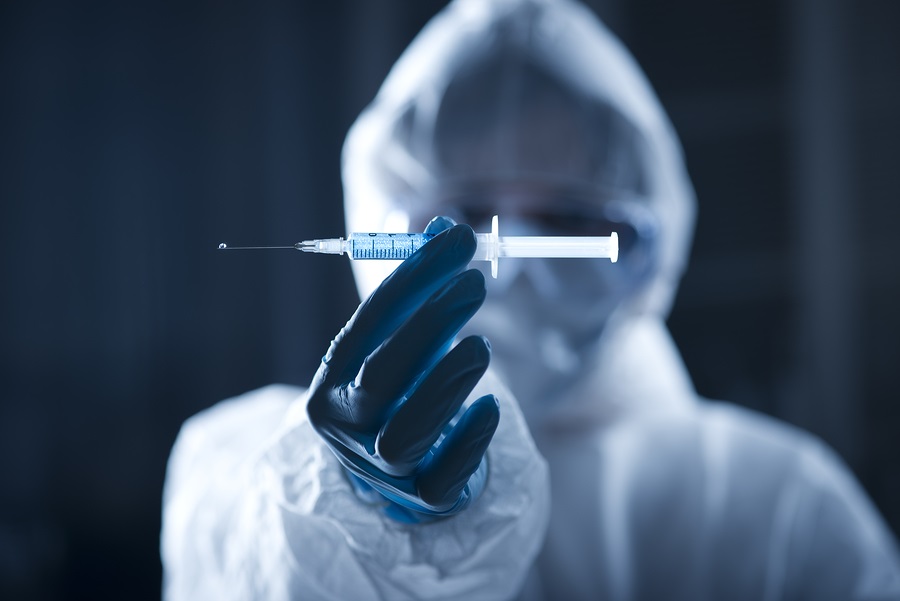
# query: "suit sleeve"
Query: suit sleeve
{"points": [[257, 506]]}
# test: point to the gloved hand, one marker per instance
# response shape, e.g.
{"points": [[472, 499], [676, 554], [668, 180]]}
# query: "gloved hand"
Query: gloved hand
{"points": [[387, 390]]}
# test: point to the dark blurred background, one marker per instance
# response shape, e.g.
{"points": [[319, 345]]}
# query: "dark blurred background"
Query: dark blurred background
{"points": [[135, 136]]}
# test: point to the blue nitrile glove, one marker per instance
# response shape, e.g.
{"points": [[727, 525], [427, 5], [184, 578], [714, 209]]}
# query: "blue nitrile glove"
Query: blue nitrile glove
{"points": [[386, 391]]}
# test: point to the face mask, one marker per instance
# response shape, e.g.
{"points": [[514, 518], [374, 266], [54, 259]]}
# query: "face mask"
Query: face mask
{"points": [[545, 317]]}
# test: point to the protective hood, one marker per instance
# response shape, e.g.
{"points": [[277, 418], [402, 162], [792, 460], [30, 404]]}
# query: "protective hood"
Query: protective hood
{"points": [[500, 93]]}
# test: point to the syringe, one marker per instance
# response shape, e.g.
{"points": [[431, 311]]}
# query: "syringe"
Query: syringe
{"points": [[490, 247]]}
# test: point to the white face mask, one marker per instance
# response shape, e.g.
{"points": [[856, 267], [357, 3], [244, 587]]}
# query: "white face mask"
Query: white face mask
{"points": [[544, 317]]}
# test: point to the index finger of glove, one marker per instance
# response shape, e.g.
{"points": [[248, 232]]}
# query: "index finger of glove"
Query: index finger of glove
{"points": [[396, 298], [439, 224]]}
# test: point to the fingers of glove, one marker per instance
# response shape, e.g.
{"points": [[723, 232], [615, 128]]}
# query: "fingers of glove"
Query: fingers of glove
{"points": [[386, 484], [439, 224], [389, 372], [412, 282], [459, 454], [418, 422]]}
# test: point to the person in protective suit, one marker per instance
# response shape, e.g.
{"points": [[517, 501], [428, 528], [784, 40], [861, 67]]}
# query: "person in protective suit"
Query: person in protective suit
{"points": [[558, 450]]}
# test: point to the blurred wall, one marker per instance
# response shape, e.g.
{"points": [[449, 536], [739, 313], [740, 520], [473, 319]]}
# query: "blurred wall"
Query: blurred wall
{"points": [[134, 137]]}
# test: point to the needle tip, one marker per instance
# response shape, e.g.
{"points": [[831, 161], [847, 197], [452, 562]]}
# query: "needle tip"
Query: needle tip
{"points": [[223, 246]]}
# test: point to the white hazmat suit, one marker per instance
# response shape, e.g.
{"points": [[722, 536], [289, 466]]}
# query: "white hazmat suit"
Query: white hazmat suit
{"points": [[608, 477]]}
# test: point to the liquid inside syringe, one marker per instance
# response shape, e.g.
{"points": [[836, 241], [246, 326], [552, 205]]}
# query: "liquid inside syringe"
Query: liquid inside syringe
{"points": [[490, 246]]}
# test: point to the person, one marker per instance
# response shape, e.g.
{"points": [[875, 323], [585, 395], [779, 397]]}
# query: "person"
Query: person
{"points": [[583, 464]]}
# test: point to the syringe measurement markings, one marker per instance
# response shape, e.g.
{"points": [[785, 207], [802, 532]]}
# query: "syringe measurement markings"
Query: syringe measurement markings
{"points": [[377, 250]]}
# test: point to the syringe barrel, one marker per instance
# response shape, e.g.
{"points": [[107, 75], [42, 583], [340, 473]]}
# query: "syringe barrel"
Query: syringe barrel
{"points": [[361, 245]]}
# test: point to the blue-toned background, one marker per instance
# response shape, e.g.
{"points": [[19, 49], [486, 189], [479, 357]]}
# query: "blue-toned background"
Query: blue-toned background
{"points": [[135, 136]]}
